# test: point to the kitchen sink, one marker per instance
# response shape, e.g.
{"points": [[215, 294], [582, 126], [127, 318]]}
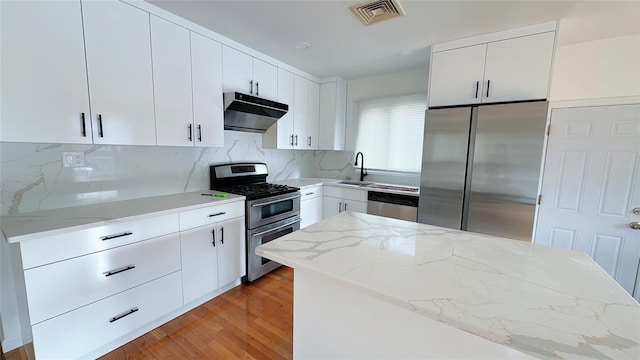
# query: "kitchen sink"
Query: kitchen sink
{"points": [[355, 182]]}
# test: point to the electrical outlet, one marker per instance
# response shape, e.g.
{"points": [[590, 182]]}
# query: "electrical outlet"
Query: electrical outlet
{"points": [[72, 159]]}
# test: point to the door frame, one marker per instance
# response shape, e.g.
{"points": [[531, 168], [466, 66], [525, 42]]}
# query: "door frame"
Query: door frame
{"points": [[629, 100]]}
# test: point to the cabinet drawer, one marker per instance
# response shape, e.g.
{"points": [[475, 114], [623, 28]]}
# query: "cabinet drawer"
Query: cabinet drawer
{"points": [[344, 193], [63, 286], [209, 215], [311, 192], [77, 243], [81, 331]]}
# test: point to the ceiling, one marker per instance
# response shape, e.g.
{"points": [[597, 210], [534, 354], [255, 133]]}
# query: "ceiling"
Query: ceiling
{"points": [[342, 46]]}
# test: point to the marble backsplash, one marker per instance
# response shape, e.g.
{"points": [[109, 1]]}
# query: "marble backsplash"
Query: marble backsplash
{"points": [[33, 177]]}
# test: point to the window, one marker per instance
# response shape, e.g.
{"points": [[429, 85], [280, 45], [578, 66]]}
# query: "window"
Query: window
{"points": [[390, 132]]}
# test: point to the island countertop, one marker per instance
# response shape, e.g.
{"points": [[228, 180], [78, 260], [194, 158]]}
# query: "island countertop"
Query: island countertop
{"points": [[542, 301]]}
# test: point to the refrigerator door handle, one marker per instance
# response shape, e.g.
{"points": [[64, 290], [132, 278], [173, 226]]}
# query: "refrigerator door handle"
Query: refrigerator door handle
{"points": [[467, 179]]}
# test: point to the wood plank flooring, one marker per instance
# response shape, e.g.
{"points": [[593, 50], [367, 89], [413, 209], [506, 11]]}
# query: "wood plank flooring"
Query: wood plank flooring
{"points": [[247, 322]]}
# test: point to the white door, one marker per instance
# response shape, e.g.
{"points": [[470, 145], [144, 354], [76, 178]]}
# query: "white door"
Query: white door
{"points": [[313, 115], [284, 125], [331, 206], [456, 76], [238, 71], [172, 83], [590, 186], [208, 111], [265, 77], [300, 102], [44, 78], [199, 254], [518, 69], [355, 206], [231, 251], [118, 44]]}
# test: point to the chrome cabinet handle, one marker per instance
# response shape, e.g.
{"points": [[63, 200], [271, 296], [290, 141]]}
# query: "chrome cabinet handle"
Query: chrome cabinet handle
{"points": [[214, 237], [296, 140], [488, 84], [190, 132], [217, 214], [222, 235], [635, 225], [127, 313], [340, 207], [477, 87], [309, 143], [114, 236], [251, 89], [257, 88], [199, 133], [345, 206], [119, 270], [291, 143]]}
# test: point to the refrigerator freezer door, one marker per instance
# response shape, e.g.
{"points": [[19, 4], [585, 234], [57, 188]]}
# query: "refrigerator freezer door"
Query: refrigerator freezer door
{"points": [[444, 163], [506, 169]]}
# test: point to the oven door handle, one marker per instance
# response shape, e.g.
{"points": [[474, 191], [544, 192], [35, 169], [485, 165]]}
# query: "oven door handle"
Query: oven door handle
{"points": [[276, 228], [275, 201]]}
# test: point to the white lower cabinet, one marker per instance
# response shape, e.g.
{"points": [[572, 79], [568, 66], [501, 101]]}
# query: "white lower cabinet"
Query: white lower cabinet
{"points": [[337, 199], [76, 333], [310, 206], [213, 255]]}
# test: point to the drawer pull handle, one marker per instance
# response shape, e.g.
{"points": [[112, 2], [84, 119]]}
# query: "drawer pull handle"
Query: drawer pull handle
{"points": [[125, 314], [217, 214], [309, 193], [222, 235], [115, 236], [118, 271]]}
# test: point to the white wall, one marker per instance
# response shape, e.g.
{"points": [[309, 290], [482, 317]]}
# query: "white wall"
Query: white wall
{"points": [[392, 84], [608, 68]]}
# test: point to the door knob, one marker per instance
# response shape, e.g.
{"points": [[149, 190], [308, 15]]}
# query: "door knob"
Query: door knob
{"points": [[635, 225], [636, 211]]}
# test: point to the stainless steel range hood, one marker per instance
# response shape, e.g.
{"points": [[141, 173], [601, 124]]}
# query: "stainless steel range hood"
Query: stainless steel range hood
{"points": [[248, 113]]}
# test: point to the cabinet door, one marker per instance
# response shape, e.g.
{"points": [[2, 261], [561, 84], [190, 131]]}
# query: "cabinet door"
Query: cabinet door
{"points": [[199, 253], [355, 206], [119, 67], [284, 125], [518, 69], [171, 48], [456, 76], [300, 106], [265, 77], [44, 78], [331, 206], [333, 107], [208, 111], [231, 251], [310, 211], [238, 71], [313, 113]]}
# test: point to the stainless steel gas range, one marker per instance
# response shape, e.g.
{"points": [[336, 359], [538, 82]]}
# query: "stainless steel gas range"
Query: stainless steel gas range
{"points": [[271, 210]]}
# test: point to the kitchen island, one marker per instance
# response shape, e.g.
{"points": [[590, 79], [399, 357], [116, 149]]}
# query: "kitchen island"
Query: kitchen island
{"points": [[367, 286]]}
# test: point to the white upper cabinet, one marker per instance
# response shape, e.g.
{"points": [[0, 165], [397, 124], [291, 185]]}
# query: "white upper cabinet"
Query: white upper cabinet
{"points": [[332, 114], [44, 80], [171, 48], [313, 114], [300, 107], [265, 77], [518, 69], [280, 135], [456, 76], [118, 48], [510, 66], [208, 111], [245, 74]]}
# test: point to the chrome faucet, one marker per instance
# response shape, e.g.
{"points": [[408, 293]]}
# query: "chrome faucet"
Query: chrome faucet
{"points": [[363, 171]]}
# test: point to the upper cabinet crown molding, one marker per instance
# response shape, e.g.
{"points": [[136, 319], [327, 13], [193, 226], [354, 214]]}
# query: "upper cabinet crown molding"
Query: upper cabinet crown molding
{"points": [[514, 66]]}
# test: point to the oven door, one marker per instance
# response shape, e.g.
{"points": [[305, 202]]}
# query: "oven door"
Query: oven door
{"points": [[274, 208], [257, 265]]}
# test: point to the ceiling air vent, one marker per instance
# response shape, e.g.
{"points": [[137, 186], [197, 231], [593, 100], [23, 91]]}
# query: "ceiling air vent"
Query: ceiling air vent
{"points": [[373, 11]]}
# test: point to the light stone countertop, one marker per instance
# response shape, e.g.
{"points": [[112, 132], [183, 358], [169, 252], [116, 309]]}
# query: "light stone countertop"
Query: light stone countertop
{"points": [[33, 225], [546, 302], [380, 187]]}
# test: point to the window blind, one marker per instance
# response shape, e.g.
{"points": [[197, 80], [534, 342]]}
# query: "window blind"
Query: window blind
{"points": [[390, 132]]}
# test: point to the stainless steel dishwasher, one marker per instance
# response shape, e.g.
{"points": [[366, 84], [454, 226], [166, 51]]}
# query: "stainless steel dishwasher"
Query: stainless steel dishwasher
{"points": [[397, 206]]}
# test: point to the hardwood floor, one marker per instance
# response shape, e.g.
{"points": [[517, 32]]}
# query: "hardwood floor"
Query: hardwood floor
{"points": [[247, 322]]}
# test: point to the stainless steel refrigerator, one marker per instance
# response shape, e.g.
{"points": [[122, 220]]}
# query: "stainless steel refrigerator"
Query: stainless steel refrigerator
{"points": [[481, 166]]}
